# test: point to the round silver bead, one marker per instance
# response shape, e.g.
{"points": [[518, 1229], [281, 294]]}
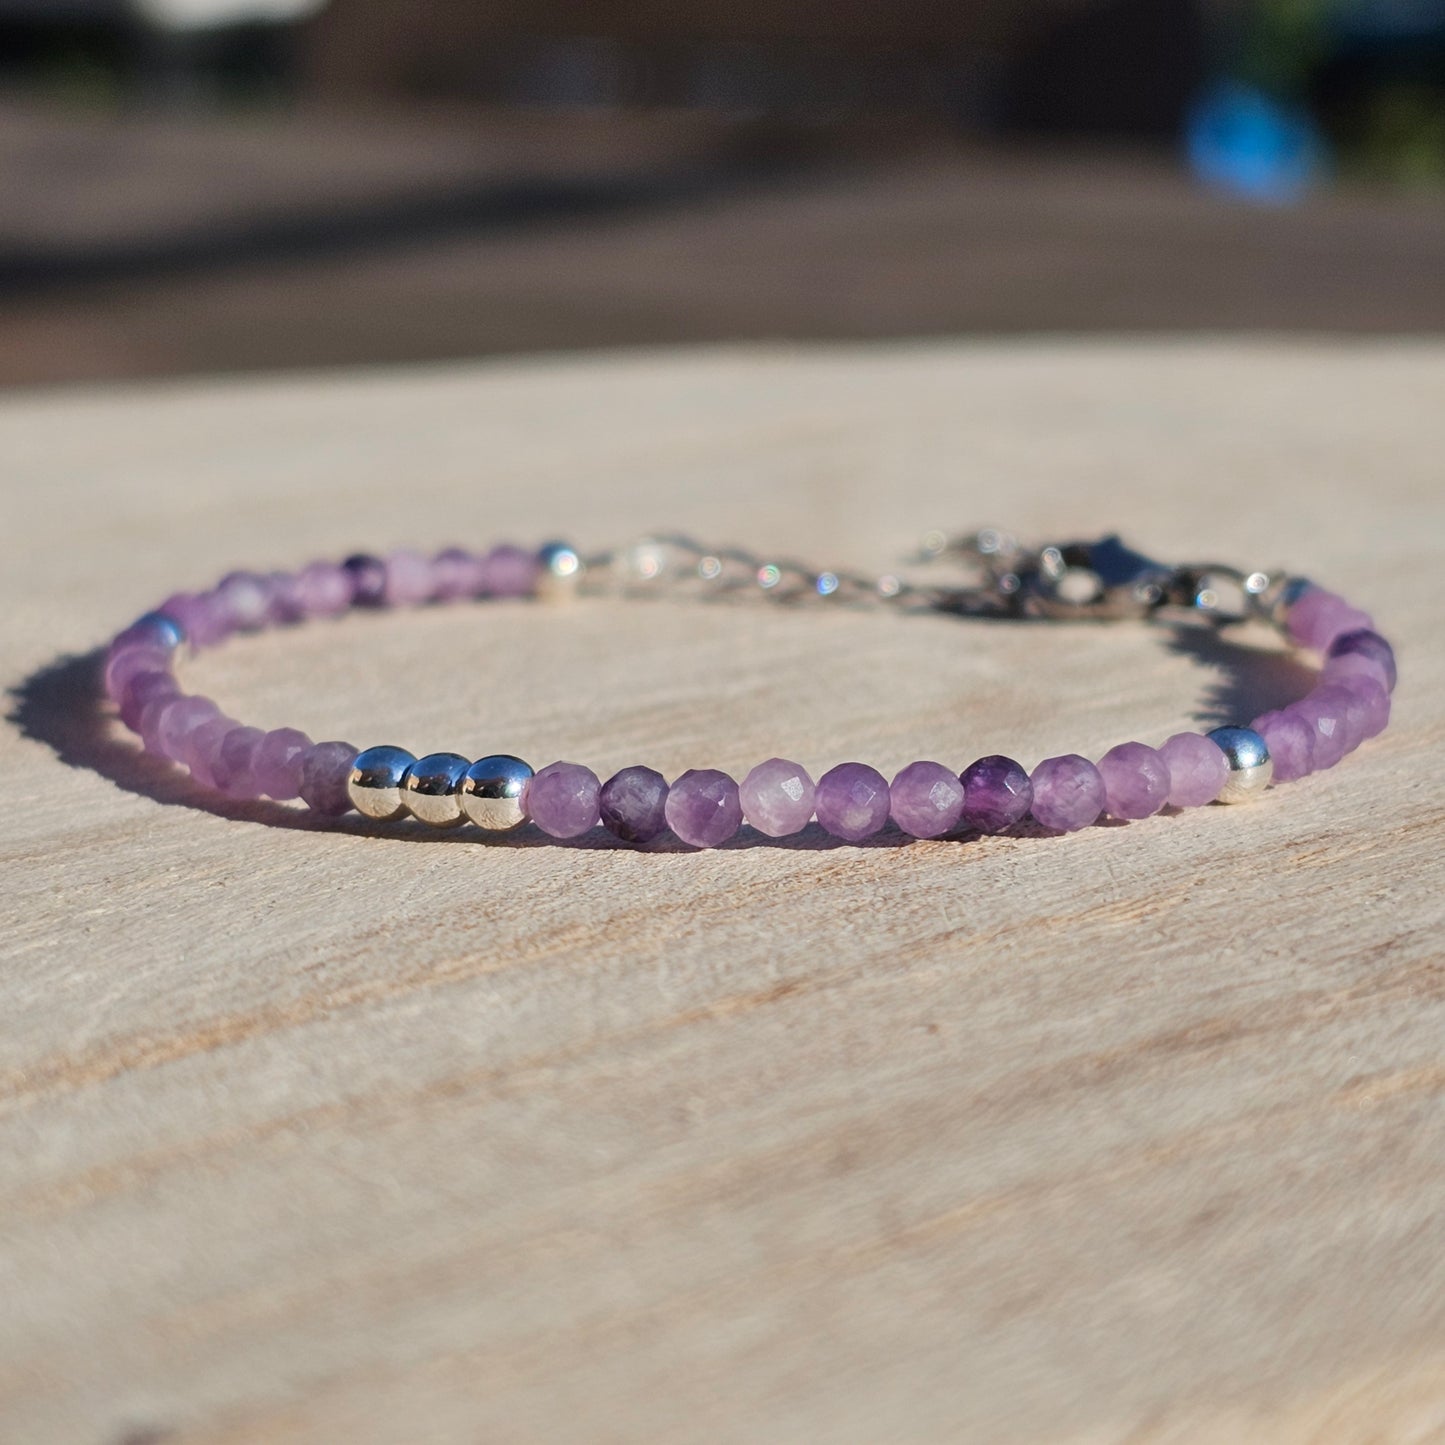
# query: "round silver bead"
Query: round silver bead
{"points": [[374, 786], [1250, 765], [432, 789], [492, 790], [562, 569]]}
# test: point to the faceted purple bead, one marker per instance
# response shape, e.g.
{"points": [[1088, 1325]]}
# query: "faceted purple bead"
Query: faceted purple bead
{"points": [[1369, 645], [703, 808], [777, 797], [511, 572], [142, 688], [1068, 793], [368, 579], [202, 747], [231, 771], [458, 573], [996, 794], [409, 580], [277, 763], [851, 801], [562, 799], [178, 720], [1320, 616], [633, 805], [124, 663], [926, 799], [1291, 744], [1198, 769], [325, 771], [245, 600], [286, 602], [1136, 780], [324, 589], [199, 614], [1326, 712]]}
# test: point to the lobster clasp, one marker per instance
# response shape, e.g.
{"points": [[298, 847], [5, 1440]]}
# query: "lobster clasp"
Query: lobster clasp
{"points": [[1103, 579]]}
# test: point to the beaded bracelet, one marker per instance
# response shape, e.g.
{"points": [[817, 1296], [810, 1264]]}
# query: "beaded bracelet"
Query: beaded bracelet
{"points": [[703, 807]]}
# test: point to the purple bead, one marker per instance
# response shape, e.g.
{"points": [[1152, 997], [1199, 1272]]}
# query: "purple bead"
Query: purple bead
{"points": [[1291, 744], [1367, 645], [458, 573], [124, 663], [286, 603], [178, 720], [155, 630], [562, 799], [142, 688], [996, 794], [1326, 712], [368, 579], [409, 580], [510, 572], [231, 771], [325, 771], [1198, 769], [324, 589], [851, 801], [633, 805], [199, 614], [1068, 793], [777, 797], [277, 763], [703, 808], [245, 600], [1136, 780], [926, 799], [1319, 616], [202, 747]]}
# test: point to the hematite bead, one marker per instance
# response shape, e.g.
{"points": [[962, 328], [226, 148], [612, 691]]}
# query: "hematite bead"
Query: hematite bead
{"points": [[432, 789], [374, 786], [492, 792], [1250, 765]]}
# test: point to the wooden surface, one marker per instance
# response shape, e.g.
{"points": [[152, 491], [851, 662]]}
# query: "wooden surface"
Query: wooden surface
{"points": [[1135, 1135]]}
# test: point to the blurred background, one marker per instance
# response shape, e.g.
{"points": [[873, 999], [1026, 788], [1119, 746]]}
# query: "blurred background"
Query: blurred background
{"points": [[196, 186]]}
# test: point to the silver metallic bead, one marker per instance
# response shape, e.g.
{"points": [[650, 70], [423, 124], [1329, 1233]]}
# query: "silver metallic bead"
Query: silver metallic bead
{"points": [[1250, 765], [432, 789], [492, 791], [374, 786], [562, 569]]}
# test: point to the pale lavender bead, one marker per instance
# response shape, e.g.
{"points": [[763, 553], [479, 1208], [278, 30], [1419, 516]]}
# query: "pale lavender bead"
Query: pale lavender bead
{"points": [[1319, 616], [1136, 780], [1325, 711], [777, 797], [141, 689], [409, 581], [244, 599], [1367, 645], [202, 747], [1367, 706], [324, 589], [178, 720], [1068, 793], [1352, 665], [703, 808], [511, 572], [562, 799], [926, 799], [997, 794], [278, 761], [368, 579], [458, 573], [325, 771], [198, 614], [124, 663], [851, 801], [1291, 744], [1198, 769], [231, 771], [633, 805]]}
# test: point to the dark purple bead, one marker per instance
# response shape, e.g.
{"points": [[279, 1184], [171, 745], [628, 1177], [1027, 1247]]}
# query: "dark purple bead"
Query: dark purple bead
{"points": [[288, 602], [997, 794], [368, 579], [1364, 643], [851, 801], [325, 771], [633, 804]]}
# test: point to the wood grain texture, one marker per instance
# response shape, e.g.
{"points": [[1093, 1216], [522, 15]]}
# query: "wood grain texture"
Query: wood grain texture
{"points": [[318, 1135]]}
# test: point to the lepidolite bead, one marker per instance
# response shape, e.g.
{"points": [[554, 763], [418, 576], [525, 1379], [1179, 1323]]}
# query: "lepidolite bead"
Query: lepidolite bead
{"points": [[997, 794], [409, 579], [324, 589], [1326, 714], [244, 600], [510, 572], [231, 772], [1368, 646], [202, 747], [851, 801], [124, 663], [368, 579], [1290, 741], [1320, 616], [633, 805], [1136, 780], [926, 799], [457, 573], [199, 614], [562, 799], [703, 808], [1068, 793], [143, 688], [1198, 769], [276, 765], [180, 717], [777, 797], [325, 771]]}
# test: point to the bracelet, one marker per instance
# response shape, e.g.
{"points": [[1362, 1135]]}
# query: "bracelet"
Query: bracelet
{"points": [[1101, 580]]}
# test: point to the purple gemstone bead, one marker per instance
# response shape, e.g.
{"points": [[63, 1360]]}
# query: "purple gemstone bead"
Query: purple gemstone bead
{"points": [[286, 603], [511, 572], [409, 580], [1291, 744], [563, 799], [277, 763], [777, 797], [926, 799], [178, 720], [458, 573], [202, 747], [703, 808], [244, 600], [142, 688], [1326, 713], [324, 589], [148, 723], [851, 801], [199, 614], [1198, 769], [1319, 616], [1136, 780], [633, 805], [124, 663], [1369, 646], [368, 579], [325, 771], [1068, 793], [996, 794], [231, 771]]}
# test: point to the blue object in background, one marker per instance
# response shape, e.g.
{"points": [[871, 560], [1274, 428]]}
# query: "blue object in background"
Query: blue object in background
{"points": [[1242, 141]]}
